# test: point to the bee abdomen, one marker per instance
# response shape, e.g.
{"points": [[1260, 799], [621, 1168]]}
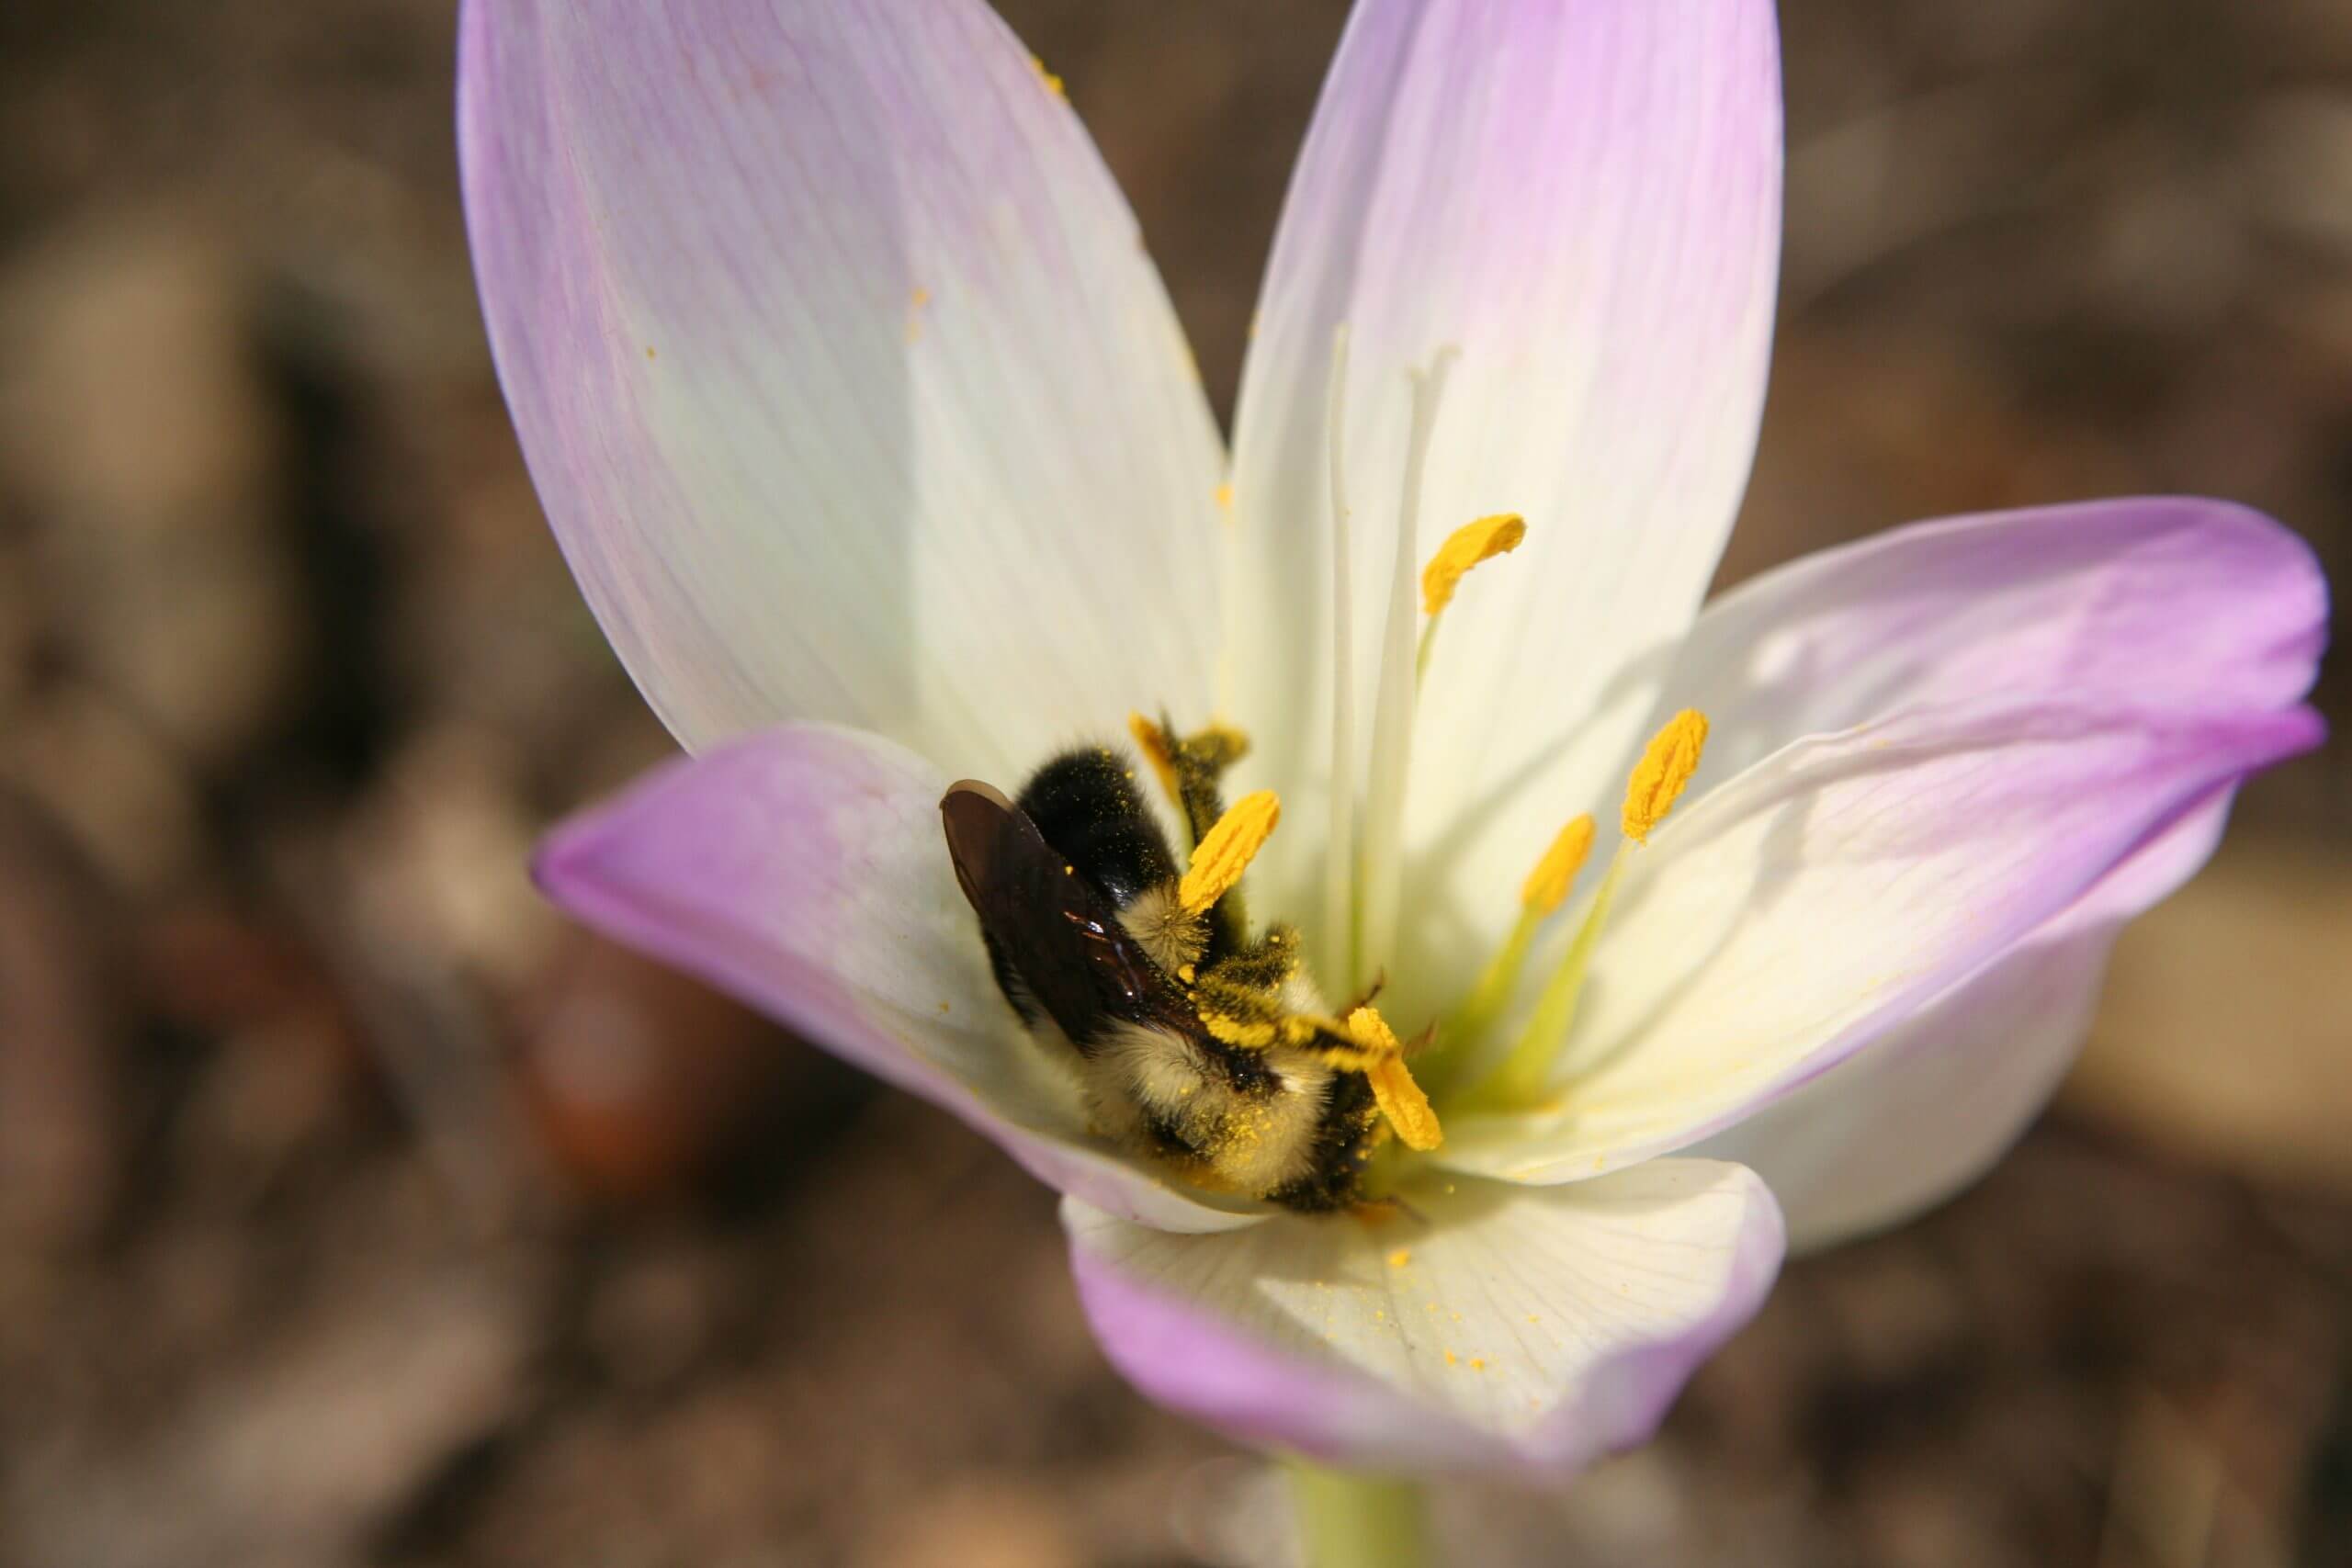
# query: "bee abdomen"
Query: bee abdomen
{"points": [[1341, 1150], [1086, 805]]}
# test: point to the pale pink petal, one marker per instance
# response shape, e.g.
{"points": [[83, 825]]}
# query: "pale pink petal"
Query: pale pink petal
{"points": [[840, 369], [2172, 601], [1583, 198], [803, 869], [2197, 604], [1800, 911], [1486, 1328]]}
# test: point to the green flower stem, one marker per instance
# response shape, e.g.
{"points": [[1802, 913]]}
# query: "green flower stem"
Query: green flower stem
{"points": [[1348, 1520]]}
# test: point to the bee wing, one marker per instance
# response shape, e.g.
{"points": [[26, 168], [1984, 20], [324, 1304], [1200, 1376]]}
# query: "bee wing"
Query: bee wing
{"points": [[1055, 928]]}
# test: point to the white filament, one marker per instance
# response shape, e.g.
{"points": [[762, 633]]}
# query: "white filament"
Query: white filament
{"points": [[1392, 717], [1339, 950]]}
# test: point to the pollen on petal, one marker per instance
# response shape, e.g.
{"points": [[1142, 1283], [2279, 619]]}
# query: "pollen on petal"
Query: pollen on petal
{"points": [[1225, 851], [1663, 772], [1547, 886], [1408, 1109], [1053, 83], [1464, 549]]}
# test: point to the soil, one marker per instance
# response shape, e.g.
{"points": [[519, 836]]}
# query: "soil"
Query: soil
{"points": [[355, 1210]]}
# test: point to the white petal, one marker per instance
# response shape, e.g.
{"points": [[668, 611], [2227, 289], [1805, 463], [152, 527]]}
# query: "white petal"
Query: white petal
{"points": [[1582, 197], [1524, 1330], [840, 369]]}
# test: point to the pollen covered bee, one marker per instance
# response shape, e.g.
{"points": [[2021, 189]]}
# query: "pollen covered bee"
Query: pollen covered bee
{"points": [[1191, 1040]]}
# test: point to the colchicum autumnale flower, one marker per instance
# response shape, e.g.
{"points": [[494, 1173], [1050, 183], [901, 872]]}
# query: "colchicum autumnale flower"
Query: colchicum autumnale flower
{"points": [[875, 447]]}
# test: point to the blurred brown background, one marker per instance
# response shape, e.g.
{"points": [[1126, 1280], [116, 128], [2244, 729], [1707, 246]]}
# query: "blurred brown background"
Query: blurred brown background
{"points": [[354, 1210]]}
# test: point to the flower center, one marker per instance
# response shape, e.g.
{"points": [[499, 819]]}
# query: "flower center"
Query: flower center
{"points": [[1194, 1038], [1257, 997]]}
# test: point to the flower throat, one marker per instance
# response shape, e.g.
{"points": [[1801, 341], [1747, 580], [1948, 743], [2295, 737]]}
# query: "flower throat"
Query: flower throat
{"points": [[1210, 1046]]}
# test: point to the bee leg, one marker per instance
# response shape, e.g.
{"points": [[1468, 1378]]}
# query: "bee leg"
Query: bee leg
{"points": [[1371, 994], [1200, 761]]}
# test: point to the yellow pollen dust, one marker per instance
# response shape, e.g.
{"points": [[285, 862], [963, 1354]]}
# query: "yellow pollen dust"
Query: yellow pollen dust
{"points": [[1249, 1034], [1225, 851], [1399, 1098], [1053, 83], [1663, 772], [1467, 547], [1547, 886]]}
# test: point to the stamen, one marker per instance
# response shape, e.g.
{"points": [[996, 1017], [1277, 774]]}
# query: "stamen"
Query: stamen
{"points": [[1339, 855], [1225, 851], [1465, 547], [1546, 889], [1468, 545], [1392, 1088], [1159, 751], [1527, 1071], [1392, 723], [1547, 886], [1659, 781], [1229, 567], [1663, 772]]}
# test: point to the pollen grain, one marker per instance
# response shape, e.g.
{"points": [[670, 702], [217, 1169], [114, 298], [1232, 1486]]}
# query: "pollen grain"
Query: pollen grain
{"points": [[1467, 547], [1547, 886], [1663, 772], [1401, 1101], [1158, 750], [1225, 851]]}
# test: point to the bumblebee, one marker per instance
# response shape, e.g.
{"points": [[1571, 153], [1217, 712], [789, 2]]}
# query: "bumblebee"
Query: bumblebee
{"points": [[1191, 1040]]}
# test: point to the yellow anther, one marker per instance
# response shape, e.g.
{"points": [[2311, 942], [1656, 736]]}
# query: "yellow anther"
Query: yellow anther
{"points": [[1663, 772], [1224, 497], [1225, 851], [1158, 751], [1372, 1034], [1547, 886], [1399, 1098], [1464, 549]]}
